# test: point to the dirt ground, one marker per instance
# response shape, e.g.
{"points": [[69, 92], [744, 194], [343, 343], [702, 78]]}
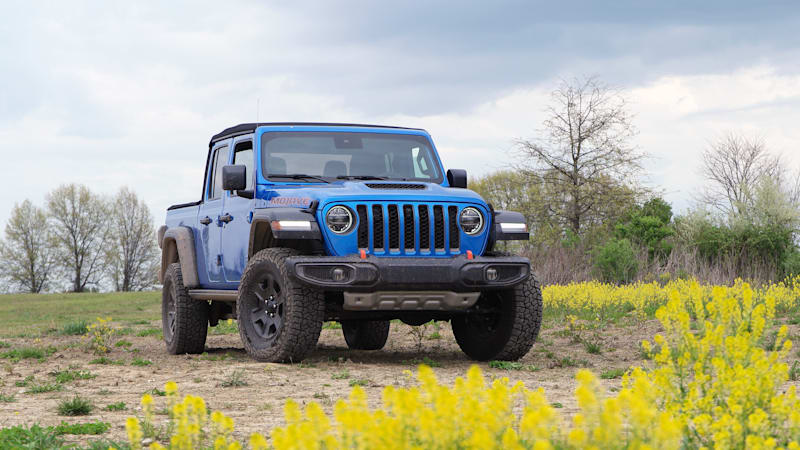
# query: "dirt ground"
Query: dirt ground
{"points": [[324, 377]]}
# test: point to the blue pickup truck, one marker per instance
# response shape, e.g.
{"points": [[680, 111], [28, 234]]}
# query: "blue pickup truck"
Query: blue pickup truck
{"points": [[301, 223]]}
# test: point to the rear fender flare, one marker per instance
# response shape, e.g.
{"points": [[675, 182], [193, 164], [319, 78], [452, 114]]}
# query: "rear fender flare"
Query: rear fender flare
{"points": [[177, 245]]}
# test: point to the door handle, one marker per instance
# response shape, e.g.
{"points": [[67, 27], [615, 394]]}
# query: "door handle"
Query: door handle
{"points": [[225, 218], [205, 220]]}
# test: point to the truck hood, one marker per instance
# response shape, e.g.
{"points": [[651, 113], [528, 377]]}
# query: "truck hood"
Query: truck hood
{"points": [[302, 194]]}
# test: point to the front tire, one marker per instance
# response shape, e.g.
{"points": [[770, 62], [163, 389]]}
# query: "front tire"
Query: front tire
{"points": [[365, 334], [280, 319], [503, 325], [184, 321]]}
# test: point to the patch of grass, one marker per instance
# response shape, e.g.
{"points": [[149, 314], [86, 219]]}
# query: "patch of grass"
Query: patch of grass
{"points": [[592, 347], [119, 406], [4, 344], [156, 392], [570, 362], [505, 365], [90, 428], [23, 383], [65, 376], [306, 365], [107, 361], [331, 326], [122, 343], [794, 372], [7, 398], [140, 362], [359, 382], [76, 328], [225, 327], [612, 373], [32, 314], [149, 332], [556, 405], [342, 375], [33, 437], [76, 406], [21, 353], [234, 379], [36, 388], [205, 356], [434, 336], [512, 365]]}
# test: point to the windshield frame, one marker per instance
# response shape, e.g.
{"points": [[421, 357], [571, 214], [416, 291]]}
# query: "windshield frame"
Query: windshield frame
{"points": [[265, 134]]}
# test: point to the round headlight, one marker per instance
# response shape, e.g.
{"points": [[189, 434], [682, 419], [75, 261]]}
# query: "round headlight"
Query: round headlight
{"points": [[471, 220], [339, 219]]}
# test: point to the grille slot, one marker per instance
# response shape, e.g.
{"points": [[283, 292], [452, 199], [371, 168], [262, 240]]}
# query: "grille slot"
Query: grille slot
{"points": [[377, 227], [438, 227], [452, 219], [363, 227], [394, 228], [424, 228], [395, 186], [408, 227]]}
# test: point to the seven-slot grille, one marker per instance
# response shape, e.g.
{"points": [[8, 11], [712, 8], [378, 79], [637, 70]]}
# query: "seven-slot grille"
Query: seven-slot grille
{"points": [[399, 228]]}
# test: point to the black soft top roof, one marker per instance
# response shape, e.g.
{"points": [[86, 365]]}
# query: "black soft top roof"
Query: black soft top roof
{"points": [[245, 128]]}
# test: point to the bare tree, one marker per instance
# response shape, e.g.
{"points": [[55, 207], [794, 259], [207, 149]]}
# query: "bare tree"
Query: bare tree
{"points": [[734, 165], [585, 159], [79, 220], [131, 256], [27, 258]]}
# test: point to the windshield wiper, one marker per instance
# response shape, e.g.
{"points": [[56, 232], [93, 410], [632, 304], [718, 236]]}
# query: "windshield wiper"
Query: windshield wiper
{"points": [[360, 177], [296, 176]]}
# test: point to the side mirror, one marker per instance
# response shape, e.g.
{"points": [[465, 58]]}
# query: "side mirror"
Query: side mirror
{"points": [[457, 178], [234, 178]]}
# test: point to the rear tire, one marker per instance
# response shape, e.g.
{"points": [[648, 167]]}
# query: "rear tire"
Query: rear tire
{"points": [[184, 321], [365, 334], [503, 325], [279, 318]]}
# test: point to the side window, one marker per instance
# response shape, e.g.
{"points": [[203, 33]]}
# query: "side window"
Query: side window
{"points": [[220, 159], [243, 156]]}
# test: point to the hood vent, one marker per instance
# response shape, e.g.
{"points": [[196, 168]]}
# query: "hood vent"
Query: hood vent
{"points": [[395, 186]]}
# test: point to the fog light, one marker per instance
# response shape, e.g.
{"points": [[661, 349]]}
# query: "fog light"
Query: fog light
{"points": [[491, 274], [337, 274]]}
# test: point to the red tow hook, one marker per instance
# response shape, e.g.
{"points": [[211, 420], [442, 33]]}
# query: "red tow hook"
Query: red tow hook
{"points": [[363, 253], [469, 254]]}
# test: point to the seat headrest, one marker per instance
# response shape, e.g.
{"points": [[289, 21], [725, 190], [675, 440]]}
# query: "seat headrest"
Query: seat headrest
{"points": [[334, 168], [276, 165]]}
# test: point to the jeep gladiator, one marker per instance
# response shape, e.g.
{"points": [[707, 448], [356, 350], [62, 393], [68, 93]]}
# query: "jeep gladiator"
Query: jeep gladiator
{"points": [[301, 223]]}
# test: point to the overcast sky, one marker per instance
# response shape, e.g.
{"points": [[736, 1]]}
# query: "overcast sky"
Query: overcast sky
{"points": [[128, 93]]}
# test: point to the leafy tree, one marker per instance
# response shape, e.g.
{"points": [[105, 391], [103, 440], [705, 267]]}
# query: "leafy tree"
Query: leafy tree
{"points": [[649, 225], [27, 258], [615, 261]]}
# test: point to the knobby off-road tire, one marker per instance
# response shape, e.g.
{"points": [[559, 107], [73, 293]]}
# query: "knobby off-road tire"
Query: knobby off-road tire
{"points": [[184, 321], [280, 318], [504, 324], [365, 334]]}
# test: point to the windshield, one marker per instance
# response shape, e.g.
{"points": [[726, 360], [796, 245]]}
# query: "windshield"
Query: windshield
{"points": [[340, 155]]}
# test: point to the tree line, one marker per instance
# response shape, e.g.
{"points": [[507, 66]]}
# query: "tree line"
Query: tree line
{"points": [[78, 241], [580, 184]]}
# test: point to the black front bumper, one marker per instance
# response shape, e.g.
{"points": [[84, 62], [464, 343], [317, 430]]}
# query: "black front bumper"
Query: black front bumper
{"points": [[457, 274]]}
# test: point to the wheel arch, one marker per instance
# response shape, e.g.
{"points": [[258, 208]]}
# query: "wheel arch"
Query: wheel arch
{"points": [[263, 235]]}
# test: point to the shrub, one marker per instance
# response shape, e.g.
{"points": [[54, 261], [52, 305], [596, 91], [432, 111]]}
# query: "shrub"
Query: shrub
{"points": [[615, 261], [77, 406]]}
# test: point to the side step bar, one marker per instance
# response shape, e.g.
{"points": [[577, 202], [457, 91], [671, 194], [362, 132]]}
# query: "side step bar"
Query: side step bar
{"points": [[214, 294]]}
